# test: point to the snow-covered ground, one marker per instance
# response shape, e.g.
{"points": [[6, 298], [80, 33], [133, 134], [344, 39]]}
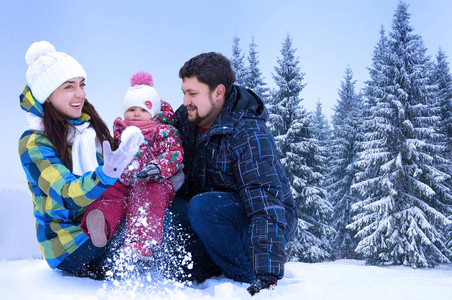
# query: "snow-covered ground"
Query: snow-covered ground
{"points": [[25, 278], [343, 279]]}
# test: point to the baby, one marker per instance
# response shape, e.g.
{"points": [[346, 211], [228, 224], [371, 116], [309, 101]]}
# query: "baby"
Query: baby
{"points": [[143, 191]]}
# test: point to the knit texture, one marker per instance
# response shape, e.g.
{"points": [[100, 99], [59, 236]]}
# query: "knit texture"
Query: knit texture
{"points": [[48, 69], [142, 94]]}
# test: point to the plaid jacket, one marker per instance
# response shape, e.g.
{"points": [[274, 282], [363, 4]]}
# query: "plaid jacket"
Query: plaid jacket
{"points": [[59, 197], [238, 154]]}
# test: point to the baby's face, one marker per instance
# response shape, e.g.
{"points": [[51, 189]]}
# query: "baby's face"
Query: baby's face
{"points": [[136, 113]]}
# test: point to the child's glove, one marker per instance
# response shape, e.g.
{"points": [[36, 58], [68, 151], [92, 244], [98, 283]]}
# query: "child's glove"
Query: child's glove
{"points": [[116, 161], [177, 180], [262, 282], [151, 172]]}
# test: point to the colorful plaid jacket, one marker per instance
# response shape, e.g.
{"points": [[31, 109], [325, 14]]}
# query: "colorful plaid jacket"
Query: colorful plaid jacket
{"points": [[238, 154], [59, 197]]}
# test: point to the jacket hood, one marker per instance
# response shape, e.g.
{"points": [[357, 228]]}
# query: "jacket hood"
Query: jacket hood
{"points": [[242, 103], [29, 103], [245, 103]]}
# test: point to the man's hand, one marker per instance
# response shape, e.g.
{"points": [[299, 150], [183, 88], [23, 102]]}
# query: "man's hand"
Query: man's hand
{"points": [[262, 282], [151, 172], [177, 180]]}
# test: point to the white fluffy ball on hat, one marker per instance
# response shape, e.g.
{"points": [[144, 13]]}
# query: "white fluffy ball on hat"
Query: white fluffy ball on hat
{"points": [[37, 49], [48, 69], [142, 93]]}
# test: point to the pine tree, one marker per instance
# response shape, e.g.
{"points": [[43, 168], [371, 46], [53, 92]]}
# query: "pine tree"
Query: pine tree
{"points": [[285, 100], [253, 79], [321, 126], [375, 86], [347, 126], [321, 132], [237, 62], [442, 79], [399, 219], [290, 125]]}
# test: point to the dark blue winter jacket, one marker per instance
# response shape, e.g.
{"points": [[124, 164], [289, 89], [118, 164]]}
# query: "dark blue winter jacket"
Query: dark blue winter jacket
{"points": [[238, 154]]}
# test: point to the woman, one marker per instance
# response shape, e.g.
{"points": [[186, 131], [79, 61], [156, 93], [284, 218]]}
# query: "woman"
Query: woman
{"points": [[61, 156]]}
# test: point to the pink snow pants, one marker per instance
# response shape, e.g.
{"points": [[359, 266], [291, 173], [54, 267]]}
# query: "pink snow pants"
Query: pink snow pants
{"points": [[143, 206]]}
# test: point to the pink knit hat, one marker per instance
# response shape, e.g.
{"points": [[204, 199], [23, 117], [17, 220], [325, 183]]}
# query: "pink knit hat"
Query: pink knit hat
{"points": [[142, 94]]}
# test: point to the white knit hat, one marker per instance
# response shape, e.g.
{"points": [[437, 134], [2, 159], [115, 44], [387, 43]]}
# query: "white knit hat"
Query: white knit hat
{"points": [[142, 94], [48, 69]]}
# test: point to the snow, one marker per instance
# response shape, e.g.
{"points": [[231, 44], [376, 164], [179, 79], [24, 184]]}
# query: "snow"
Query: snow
{"points": [[24, 275], [342, 279]]}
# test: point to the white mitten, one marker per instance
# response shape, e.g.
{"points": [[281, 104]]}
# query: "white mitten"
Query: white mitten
{"points": [[116, 161]]}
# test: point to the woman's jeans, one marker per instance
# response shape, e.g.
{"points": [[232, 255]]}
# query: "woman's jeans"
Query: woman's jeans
{"points": [[220, 221], [91, 261]]}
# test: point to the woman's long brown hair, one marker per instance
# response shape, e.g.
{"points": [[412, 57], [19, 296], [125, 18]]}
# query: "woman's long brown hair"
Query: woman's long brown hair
{"points": [[56, 129]]}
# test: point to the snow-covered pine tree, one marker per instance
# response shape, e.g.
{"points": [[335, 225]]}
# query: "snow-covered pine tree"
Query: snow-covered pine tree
{"points": [[322, 134], [303, 166], [442, 79], [399, 220], [253, 79], [237, 62], [347, 125], [321, 131], [373, 90], [285, 99], [290, 125], [321, 126]]}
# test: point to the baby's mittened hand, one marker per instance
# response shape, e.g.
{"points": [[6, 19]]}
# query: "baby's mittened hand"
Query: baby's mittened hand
{"points": [[151, 172]]}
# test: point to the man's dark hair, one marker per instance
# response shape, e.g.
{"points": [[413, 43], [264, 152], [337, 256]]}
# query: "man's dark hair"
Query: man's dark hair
{"points": [[211, 68]]}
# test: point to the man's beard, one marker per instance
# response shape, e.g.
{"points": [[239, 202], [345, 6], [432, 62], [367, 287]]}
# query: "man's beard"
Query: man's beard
{"points": [[197, 118]]}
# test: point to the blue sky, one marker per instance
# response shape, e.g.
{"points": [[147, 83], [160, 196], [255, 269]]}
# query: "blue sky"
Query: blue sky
{"points": [[114, 39]]}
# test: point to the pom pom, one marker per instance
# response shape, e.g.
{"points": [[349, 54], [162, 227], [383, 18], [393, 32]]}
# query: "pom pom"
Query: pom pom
{"points": [[141, 78], [38, 49]]}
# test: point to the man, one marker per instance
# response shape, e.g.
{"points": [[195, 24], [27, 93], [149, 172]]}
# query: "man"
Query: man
{"points": [[240, 205]]}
